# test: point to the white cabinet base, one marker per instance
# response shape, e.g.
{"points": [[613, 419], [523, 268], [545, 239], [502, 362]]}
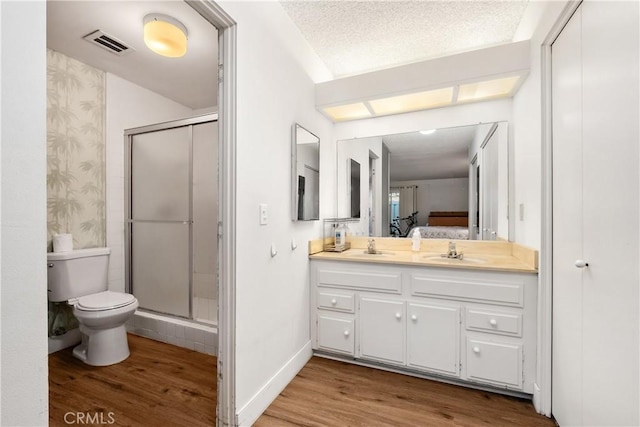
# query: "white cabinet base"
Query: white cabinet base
{"points": [[467, 327]]}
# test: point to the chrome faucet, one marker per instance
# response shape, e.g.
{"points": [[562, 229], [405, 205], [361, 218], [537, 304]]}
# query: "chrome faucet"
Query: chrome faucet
{"points": [[452, 252], [371, 247]]}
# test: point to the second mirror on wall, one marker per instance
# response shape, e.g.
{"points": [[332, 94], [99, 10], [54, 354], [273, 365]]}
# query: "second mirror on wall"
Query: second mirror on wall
{"points": [[305, 175]]}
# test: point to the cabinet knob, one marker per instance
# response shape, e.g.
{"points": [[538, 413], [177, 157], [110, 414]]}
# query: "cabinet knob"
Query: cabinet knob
{"points": [[398, 316], [334, 301], [414, 317], [493, 322], [346, 333], [580, 263], [476, 350]]}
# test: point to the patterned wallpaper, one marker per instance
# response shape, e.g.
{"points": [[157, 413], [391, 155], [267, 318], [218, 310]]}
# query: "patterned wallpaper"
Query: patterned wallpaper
{"points": [[75, 151]]}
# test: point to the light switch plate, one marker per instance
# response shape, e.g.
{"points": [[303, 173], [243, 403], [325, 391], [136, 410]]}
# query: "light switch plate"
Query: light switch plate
{"points": [[264, 214]]}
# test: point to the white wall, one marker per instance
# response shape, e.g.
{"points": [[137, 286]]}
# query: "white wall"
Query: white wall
{"points": [[128, 106], [526, 129], [273, 91], [23, 342], [439, 195]]}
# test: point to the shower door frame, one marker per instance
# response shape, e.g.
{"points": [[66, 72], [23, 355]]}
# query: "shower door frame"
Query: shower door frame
{"points": [[129, 221]]}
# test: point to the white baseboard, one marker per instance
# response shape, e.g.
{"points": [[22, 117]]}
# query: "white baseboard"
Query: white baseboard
{"points": [[537, 402], [268, 393], [61, 342]]}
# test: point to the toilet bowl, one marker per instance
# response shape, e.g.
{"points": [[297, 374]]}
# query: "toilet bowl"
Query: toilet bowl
{"points": [[79, 277], [102, 317]]}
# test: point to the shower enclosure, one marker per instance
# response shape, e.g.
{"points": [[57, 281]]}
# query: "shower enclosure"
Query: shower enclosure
{"points": [[172, 217]]}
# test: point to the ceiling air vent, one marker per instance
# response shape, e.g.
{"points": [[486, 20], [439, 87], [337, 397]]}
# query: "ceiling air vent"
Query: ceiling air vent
{"points": [[108, 42]]}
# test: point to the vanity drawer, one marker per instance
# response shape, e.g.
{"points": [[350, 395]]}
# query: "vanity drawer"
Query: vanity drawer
{"points": [[493, 322], [502, 293], [336, 334], [494, 362], [338, 301], [376, 281]]}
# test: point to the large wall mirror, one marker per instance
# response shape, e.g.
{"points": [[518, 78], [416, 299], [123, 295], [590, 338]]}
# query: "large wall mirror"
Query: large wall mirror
{"points": [[305, 175], [453, 183]]}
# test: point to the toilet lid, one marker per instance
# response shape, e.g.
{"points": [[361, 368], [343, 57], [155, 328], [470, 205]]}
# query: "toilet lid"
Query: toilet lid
{"points": [[104, 301]]}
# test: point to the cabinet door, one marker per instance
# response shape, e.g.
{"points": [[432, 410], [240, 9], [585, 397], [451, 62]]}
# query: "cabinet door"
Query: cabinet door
{"points": [[494, 362], [381, 333], [433, 337], [335, 334]]}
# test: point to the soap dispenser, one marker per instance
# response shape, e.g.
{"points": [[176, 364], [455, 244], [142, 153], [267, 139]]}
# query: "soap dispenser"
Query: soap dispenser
{"points": [[415, 240], [341, 236]]}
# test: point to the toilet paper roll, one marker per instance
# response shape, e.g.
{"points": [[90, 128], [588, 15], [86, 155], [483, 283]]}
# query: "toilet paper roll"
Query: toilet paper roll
{"points": [[62, 242]]}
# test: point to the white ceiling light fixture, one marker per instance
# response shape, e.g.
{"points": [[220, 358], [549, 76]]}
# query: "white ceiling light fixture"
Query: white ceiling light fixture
{"points": [[165, 35], [428, 132]]}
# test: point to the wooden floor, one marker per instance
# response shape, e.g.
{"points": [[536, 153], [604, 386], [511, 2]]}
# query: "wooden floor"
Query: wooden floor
{"points": [[158, 385], [330, 393], [163, 385]]}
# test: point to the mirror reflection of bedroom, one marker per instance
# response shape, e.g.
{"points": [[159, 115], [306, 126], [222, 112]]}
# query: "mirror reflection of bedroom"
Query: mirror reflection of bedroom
{"points": [[449, 183]]}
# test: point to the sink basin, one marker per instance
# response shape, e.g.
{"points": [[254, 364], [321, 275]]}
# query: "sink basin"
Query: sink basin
{"points": [[455, 261], [365, 254]]}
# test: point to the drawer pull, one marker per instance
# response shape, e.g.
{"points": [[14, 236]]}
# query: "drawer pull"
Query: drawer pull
{"points": [[334, 301], [476, 350], [346, 333], [414, 317], [398, 316], [493, 322]]}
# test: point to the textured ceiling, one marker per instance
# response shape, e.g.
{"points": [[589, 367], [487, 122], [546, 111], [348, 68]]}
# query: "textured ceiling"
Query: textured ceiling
{"points": [[443, 154], [353, 37]]}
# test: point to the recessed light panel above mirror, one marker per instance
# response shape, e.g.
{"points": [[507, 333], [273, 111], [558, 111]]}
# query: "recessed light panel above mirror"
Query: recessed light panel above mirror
{"points": [[348, 112], [412, 102]]}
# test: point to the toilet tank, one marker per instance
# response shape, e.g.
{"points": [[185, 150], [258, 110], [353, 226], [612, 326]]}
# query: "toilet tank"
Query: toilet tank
{"points": [[76, 273]]}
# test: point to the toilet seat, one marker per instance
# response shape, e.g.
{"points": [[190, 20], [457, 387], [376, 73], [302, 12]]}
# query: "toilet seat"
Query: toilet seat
{"points": [[103, 301]]}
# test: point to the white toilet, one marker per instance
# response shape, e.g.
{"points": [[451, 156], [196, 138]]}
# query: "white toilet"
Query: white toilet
{"points": [[79, 277]]}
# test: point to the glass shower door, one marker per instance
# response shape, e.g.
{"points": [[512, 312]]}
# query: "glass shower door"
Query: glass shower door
{"points": [[160, 220]]}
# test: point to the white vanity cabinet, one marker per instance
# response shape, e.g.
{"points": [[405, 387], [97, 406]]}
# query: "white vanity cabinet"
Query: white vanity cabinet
{"points": [[478, 326]]}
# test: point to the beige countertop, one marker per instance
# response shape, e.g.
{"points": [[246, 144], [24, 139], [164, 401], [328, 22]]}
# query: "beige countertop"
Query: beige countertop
{"points": [[478, 255]]}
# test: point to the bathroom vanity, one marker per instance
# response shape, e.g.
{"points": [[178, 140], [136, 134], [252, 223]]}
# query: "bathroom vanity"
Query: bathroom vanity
{"points": [[471, 321]]}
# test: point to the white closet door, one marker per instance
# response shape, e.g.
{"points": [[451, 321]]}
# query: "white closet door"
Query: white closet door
{"points": [[610, 51], [596, 217], [567, 224]]}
